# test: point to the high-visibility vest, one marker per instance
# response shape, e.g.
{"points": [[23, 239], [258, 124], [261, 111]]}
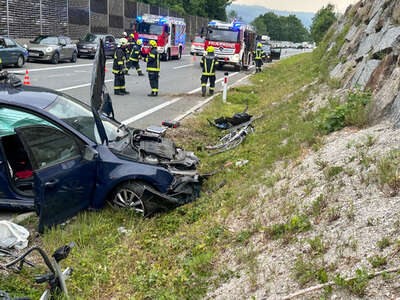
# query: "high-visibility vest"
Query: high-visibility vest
{"points": [[208, 64], [153, 60]]}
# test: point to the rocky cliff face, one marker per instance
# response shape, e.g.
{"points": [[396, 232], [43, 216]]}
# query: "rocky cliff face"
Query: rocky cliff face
{"points": [[367, 43]]}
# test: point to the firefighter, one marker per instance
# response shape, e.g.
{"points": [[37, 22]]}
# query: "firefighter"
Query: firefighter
{"points": [[119, 68], [135, 56], [208, 63], [153, 68], [258, 57], [1, 65]]}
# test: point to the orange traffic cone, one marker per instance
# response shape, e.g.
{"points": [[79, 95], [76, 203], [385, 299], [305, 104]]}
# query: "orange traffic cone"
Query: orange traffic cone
{"points": [[194, 56], [106, 69], [26, 79]]}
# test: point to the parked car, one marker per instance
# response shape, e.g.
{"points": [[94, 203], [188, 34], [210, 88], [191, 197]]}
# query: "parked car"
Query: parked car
{"points": [[88, 45], [59, 156], [267, 51], [11, 53], [197, 46], [52, 49]]}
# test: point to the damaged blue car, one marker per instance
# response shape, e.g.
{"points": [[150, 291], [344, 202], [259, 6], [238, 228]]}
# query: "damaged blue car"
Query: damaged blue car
{"points": [[60, 156]]}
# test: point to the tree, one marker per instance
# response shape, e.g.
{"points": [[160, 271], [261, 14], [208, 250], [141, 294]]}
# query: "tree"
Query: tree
{"points": [[322, 21], [281, 28]]}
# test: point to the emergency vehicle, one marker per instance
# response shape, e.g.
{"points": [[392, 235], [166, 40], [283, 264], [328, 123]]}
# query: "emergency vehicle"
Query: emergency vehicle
{"points": [[169, 32], [234, 42]]}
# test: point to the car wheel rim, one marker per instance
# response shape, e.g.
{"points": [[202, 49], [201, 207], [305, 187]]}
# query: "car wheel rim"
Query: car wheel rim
{"points": [[128, 199], [20, 62]]}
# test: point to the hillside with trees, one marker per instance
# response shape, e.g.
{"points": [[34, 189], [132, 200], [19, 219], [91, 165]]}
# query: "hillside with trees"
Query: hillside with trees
{"points": [[281, 28], [212, 9]]}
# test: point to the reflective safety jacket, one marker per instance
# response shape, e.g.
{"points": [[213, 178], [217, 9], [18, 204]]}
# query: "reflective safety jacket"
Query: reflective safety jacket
{"points": [[153, 61], [259, 53], [119, 66], [135, 53], [131, 43], [209, 64]]}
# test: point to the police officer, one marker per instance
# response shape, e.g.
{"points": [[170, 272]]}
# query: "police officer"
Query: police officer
{"points": [[119, 68], [135, 56], [258, 57], [153, 68], [208, 64]]}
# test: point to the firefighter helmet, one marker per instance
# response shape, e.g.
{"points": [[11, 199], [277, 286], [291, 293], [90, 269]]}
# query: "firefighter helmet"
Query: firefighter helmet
{"points": [[125, 34], [139, 42], [210, 49], [123, 41], [132, 35], [259, 45], [153, 43]]}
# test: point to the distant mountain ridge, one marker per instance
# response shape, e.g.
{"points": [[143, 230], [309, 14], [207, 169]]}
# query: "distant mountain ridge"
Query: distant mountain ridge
{"points": [[250, 12]]}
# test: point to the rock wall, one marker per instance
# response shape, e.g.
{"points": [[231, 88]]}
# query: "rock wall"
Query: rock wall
{"points": [[369, 58]]}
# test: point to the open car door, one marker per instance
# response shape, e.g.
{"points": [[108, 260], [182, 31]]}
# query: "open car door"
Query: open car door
{"points": [[63, 180]]}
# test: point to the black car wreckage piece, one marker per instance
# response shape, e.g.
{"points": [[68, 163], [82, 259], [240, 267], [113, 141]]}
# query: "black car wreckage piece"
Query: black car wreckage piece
{"points": [[149, 148]]}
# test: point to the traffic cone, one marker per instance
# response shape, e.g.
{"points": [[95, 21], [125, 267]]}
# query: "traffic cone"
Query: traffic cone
{"points": [[194, 56], [26, 79], [106, 69]]}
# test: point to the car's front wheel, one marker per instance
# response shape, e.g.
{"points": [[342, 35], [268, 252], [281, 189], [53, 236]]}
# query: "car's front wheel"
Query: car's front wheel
{"points": [[20, 62], [55, 59], [131, 195]]}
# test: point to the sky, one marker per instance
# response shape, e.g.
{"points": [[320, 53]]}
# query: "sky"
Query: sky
{"points": [[297, 5]]}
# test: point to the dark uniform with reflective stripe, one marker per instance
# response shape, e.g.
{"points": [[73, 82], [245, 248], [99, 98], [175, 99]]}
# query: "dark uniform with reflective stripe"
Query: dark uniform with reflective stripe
{"points": [[153, 69], [1, 64], [119, 70], [208, 64], [258, 57], [134, 57]]}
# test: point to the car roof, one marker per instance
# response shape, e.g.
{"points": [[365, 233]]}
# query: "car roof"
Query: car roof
{"points": [[38, 97]]}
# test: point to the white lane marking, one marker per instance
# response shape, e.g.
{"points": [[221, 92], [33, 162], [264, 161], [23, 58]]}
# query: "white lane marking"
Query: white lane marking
{"points": [[185, 66], [57, 68], [219, 80], [79, 86], [186, 55], [150, 111]]}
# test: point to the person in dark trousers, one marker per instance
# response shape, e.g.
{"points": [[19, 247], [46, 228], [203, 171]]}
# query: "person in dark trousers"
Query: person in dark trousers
{"points": [[258, 57], [208, 64], [119, 68], [135, 56], [153, 68]]}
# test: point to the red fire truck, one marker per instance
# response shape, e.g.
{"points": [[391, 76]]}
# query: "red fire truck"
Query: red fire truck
{"points": [[234, 42], [169, 32]]}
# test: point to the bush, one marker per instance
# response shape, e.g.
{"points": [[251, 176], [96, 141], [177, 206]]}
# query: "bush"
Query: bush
{"points": [[352, 113]]}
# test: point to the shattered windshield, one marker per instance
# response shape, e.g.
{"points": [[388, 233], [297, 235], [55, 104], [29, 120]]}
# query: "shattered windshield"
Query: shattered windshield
{"points": [[148, 28], [80, 117], [221, 35], [91, 38], [45, 40]]}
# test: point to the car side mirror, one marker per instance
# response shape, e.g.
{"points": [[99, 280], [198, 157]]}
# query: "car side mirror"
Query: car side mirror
{"points": [[63, 44], [89, 153]]}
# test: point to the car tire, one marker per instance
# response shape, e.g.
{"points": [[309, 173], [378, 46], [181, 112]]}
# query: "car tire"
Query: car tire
{"points": [[20, 62], [74, 57], [56, 58], [130, 195]]}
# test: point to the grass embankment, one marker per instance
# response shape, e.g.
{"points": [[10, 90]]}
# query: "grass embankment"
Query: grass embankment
{"points": [[175, 255]]}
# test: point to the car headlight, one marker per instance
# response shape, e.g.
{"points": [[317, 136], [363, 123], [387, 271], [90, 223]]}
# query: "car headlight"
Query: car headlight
{"points": [[49, 49]]}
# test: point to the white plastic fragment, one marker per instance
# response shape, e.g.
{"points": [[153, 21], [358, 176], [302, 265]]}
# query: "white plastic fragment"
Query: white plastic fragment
{"points": [[13, 235], [124, 230]]}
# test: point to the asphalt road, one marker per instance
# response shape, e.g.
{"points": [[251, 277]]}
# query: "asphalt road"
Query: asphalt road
{"points": [[179, 88]]}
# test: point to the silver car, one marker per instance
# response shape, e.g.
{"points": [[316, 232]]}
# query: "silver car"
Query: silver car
{"points": [[53, 49]]}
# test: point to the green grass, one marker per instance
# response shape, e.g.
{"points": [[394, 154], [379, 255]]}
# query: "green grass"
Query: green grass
{"points": [[176, 255]]}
